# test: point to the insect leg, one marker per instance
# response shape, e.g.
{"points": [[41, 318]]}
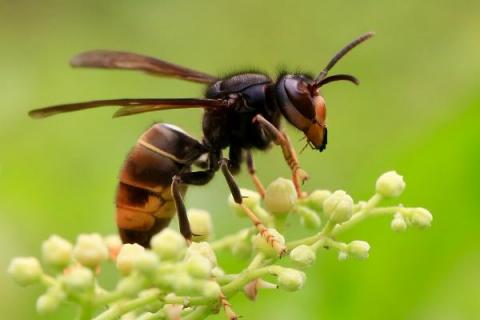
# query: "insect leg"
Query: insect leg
{"points": [[252, 171], [236, 157], [237, 196], [228, 308], [194, 178], [299, 176]]}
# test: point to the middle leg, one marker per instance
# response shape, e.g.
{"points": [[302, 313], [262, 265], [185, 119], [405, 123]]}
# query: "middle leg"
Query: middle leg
{"points": [[252, 171]]}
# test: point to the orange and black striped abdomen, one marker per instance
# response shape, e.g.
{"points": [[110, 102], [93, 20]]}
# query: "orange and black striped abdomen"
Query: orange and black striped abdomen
{"points": [[144, 201]]}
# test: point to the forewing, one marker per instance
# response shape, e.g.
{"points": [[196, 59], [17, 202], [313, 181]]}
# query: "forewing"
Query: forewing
{"points": [[132, 61]]}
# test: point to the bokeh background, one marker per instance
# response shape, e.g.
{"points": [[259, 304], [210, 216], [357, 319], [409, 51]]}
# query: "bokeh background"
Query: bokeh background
{"points": [[416, 111]]}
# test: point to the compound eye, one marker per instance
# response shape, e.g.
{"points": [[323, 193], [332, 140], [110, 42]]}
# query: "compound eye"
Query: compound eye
{"points": [[299, 95]]}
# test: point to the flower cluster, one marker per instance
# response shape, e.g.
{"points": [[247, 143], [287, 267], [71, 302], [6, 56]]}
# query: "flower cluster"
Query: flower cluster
{"points": [[178, 280]]}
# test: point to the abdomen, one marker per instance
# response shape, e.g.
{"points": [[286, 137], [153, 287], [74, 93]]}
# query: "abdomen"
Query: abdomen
{"points": [[144, 201]]}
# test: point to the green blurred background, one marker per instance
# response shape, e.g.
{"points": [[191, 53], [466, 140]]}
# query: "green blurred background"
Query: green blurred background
{"points": [[416, 111]]}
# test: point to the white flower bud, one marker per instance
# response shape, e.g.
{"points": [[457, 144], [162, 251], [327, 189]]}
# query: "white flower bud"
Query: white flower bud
{"points": [[243, 247], [201, 224], [359, 206], [49, 301], [211, 289], [131, 285], [25, 270], [169, 244], [358, 249], [78, 279], [303, 255], [127, 256], [261, 245], [184, 284], [204, 249], [308, 218], [421, 218], [90, 250], [173, 311], [291, 279], [316, 198], [390, 184], [338, 207], [342, 256], [398, 223], [280, 196], [198, 266], [250, 198], [146, 262], [56, 251], [218, 272], [114, 244]]}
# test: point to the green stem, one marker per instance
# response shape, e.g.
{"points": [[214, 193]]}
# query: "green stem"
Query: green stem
{"points": [[327, 229], [359, 216], [48, 281], [117, 310], [160, 314], [256, 261], [107, 298], [199, 313], [86, 312], [229, 240]]}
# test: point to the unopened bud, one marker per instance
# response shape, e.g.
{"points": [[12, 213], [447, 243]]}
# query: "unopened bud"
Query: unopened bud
{"points": [[169, 244], [280, 196], [291, 279], [250, 198], [198, 266], [114, 244], [90, 250], [398, 223], [78, 279], [211, 289], [25, 271], [338, 207], [201, 224], [303, 255], [421, 218], [342, 256], [358, 249], [316, 198], [127, 256], [131, 285], [203, 249], [56, 251], [146, 262], [390, 184], [261, 245], [49, 301], [184, 284], [243, 247]]}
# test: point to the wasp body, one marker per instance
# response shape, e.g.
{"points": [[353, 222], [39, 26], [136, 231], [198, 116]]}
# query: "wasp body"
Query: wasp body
{"points": [[242, 113]]}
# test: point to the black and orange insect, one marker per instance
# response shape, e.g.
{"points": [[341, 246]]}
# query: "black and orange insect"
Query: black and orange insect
{"points": [[242, 113]]}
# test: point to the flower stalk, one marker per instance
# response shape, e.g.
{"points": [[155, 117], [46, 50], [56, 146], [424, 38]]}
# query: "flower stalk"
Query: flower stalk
{"points": [[177, 280]]}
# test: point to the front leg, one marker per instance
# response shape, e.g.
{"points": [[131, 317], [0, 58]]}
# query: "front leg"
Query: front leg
{"points": [[299, 176]]}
